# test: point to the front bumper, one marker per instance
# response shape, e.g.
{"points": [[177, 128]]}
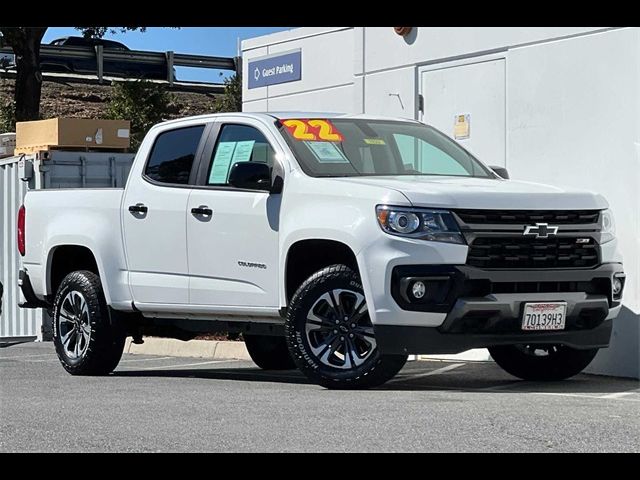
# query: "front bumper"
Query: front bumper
{"points": [[483, 308], [399, 339]]}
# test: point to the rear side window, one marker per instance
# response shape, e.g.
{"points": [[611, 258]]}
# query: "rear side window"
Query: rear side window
{"points": [[108, 44], [173, 154]]}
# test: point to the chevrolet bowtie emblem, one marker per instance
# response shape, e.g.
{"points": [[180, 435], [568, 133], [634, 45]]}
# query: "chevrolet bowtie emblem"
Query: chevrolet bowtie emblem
{"points": [[540, 230]]}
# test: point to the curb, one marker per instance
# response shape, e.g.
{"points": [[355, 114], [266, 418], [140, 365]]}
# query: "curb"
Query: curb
{"points": [[170, 347]]}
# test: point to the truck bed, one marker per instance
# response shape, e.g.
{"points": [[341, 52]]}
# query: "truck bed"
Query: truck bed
{"points": [[85, 217]]}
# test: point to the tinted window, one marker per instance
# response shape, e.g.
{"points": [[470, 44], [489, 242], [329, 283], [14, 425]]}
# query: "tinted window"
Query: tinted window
{"points": [[75, 42], [173, 154], [237, 143], [111, 45]]}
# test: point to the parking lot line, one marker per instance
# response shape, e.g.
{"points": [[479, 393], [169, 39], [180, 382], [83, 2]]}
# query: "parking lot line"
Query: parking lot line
{"points": [[504, 386], [145, 359], [437, 371], [620, 394], [47, 360], [584, 395], [29, 356]]}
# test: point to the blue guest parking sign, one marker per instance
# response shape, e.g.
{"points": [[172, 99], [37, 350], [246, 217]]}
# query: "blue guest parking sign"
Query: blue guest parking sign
{"points": [[274, 69]]}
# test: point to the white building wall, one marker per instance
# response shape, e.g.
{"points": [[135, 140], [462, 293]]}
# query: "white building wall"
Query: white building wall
{"points": [[335, 99], [391, 92], [574, 120], [386, 50], [327, 72], [572, 111]]}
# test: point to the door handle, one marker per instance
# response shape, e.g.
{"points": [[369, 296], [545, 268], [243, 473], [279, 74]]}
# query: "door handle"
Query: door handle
{"points": [[138, 208], [202, 210]]}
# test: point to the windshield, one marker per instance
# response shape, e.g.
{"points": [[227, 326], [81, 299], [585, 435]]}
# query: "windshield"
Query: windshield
{"points": [[353, 147]]}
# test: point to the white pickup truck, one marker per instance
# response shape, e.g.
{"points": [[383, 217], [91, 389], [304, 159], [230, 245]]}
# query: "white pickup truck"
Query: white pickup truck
{"points": [[335, 244]]}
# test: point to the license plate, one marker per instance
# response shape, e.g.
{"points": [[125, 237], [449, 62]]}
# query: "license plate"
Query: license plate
{"points": [[544, 316]]}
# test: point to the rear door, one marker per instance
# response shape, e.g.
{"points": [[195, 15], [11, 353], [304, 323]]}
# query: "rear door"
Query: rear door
{"points": [[154, 219]]}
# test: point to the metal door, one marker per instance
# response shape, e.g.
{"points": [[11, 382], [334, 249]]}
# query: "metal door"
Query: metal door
{"points": [[475, 92]]}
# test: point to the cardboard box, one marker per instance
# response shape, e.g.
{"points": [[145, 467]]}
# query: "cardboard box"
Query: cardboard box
{"points": [[60, 133]]}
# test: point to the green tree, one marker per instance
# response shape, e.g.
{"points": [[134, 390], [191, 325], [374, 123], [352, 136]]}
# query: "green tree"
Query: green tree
{"points": [[144, 103], [231, 99], [25, 42], [7, 116]]}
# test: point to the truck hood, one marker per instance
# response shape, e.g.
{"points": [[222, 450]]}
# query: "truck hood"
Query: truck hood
{"points": [[463, 192]]}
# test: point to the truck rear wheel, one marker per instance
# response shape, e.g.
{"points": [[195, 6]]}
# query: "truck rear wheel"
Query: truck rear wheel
{"points": [[542, 362], [269, 352], [86, 342], [330, 335]]}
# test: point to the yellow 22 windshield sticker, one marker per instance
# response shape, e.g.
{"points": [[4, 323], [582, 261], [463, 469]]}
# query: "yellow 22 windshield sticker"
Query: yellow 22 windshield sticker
{"points": [[314, 130]]}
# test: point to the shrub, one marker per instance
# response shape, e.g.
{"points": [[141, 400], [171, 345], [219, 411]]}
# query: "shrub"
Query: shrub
{"points": [[142, 102], [7, 116], [231, 99]]}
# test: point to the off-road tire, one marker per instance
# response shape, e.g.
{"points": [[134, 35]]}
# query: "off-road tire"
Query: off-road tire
{"points": [[106, 341], [376, 369]]}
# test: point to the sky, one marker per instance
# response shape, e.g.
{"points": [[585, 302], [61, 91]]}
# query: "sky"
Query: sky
{"points": [[215, 41]]}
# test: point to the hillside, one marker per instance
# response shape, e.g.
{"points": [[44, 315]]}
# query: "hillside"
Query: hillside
{"points": [[90, 101]]}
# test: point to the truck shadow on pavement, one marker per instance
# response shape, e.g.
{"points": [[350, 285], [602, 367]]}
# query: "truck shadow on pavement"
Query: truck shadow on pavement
{"points": [[240, 374], [465, 377]]}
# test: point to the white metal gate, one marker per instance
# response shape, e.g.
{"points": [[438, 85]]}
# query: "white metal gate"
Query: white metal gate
{"points": [[15, 323], [46, 170]]}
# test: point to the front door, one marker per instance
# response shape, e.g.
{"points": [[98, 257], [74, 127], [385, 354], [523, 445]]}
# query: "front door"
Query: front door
{"points": [[232, 233], [155, 210]]}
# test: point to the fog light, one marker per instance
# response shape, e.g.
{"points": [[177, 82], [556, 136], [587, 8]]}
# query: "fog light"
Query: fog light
{"points": [[617, 286], [418, 290]]}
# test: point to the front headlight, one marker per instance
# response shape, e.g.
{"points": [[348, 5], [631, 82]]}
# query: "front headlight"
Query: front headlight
{"points": [[608, 226], [419, 223]]}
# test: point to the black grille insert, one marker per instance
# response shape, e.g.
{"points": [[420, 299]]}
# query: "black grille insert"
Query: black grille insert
{"points": [[546, 287], [523, 252], [553, 217]]}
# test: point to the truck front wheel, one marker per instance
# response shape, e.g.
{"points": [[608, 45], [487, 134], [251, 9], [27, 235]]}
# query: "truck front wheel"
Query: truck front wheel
{"points": [[86, 342], [542, 362], [330, 335], [269, 352]]}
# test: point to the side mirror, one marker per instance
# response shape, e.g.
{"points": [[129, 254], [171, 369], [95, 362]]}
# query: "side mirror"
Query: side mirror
{"points": [[250, 175], [500, 171]]}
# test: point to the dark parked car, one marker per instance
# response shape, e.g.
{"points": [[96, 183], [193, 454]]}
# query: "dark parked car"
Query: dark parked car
{"points": [[55, 63]]}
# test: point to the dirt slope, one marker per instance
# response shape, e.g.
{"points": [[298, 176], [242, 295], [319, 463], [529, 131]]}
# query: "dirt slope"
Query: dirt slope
{"points": [[90, 101]]}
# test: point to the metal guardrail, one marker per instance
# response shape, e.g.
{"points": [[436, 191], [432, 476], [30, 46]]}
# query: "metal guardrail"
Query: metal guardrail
{"points": [[170, 59], [178, 86]]}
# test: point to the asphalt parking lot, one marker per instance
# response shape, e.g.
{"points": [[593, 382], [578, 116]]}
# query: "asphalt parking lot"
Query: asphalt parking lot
{"points": [[160, 404]]}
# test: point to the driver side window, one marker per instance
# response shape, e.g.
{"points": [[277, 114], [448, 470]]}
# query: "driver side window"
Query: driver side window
{"points": [[237, 143]]}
